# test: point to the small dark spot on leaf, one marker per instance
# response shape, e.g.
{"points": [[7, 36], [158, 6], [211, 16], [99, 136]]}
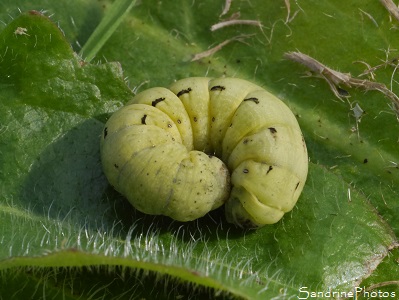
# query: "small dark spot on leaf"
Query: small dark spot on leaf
{"points": [[342, 92], [143, 120], [116, 166], [245, 141], [105, 132], [195, 119], [365, 161], [213, 119]]}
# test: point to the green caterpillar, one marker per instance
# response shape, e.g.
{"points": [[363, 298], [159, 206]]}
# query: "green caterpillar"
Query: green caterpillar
{"points": [[202, 143]]}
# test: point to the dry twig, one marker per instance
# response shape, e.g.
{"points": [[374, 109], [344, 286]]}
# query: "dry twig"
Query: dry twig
{"points": [[215, 49], [335, 79], [391, 7], [226, 7], [288, 6], [369, 16], [235, 22], [289, 18], [370, 70]]}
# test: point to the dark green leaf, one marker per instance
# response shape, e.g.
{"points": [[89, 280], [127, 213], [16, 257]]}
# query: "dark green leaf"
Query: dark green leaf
{"points": [[57, 210]]}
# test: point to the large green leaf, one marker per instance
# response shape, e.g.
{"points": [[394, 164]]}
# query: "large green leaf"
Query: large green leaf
{"points": [[57, 210]]}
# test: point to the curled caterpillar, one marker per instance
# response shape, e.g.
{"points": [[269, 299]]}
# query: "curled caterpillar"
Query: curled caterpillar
{"points": [[202, 143]]}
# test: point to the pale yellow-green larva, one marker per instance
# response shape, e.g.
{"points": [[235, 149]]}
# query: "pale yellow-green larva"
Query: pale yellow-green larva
{"points": [[184, 151]]}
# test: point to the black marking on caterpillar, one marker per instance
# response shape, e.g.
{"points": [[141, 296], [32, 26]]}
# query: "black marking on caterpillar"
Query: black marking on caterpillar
{"points": [[256, 100], [182, 92], [273, 131], [156, 101], [218, 88], [105, 132], [268, 171], [296, 186], [246, 171], [143, 120]]}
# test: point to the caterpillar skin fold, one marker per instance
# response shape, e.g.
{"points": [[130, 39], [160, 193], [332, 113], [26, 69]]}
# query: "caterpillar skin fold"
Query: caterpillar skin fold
{"points": [[184, 151]]}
